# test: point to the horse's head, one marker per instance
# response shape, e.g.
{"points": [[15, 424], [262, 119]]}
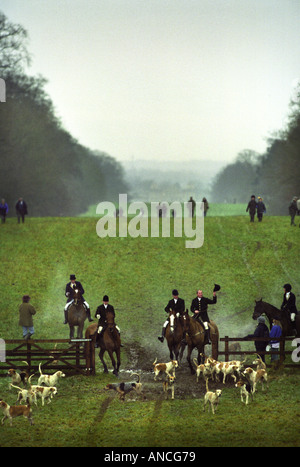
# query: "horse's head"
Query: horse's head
{"points": [[258, 309], [77, 297], [172, 320], [110, 320], [185, 319]]}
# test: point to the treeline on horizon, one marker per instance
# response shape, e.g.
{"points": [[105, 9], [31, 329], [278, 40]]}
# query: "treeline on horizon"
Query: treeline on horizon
{"points": [[275, 175], [40, 160]]}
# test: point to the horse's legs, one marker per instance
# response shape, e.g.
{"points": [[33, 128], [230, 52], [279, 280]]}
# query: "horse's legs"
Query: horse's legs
{"points": [[101, 353], [189, 360], [113, 361], [71, 332], [118, 353]]}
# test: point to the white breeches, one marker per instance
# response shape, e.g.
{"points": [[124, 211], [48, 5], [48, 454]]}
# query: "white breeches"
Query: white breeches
{"points": [[70, 303]]}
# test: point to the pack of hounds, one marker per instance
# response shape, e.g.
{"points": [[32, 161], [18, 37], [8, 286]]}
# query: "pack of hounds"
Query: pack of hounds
{"points": [[45, 389], [246, 379]]}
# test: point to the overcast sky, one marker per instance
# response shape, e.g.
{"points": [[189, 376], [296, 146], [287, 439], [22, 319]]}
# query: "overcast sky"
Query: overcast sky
{"points": [[165, 79]]}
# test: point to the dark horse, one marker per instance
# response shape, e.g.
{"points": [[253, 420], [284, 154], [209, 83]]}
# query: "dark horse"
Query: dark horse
{"points": [[76, 315], [272, 312], [195, 337], [174, 335], [110, 342]]}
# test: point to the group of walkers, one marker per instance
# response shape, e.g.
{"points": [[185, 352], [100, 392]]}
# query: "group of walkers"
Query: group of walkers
{"points": [[256, 207], [21, 210]]}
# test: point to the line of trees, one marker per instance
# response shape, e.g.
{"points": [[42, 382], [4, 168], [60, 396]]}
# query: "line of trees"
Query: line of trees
{"points": [[274, 175], [40, 160]]}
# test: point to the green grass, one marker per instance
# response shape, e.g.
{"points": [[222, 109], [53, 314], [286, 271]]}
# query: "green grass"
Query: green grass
{"points": [[250, 261]]}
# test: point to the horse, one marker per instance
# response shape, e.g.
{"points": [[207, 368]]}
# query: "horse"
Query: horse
{"points": [[195, 337], [174, 335], [110, 341], [272, 312], [76, 315]]}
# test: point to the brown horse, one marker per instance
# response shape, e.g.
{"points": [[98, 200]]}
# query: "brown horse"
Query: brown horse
{"points": [[195, 337], [77, 315], [110, 342], [272, 312], [174, 335]]}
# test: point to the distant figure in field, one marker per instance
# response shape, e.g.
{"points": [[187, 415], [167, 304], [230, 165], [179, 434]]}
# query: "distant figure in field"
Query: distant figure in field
{"points": [[261, 208], [252, 208], [192, 206], [21, 210], [206, 206], [3, 210], [26, 312], [293, 210]]}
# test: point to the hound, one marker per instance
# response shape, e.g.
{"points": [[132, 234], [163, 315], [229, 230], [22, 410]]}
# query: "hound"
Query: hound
{"points": [[256, 376], [246, 390], [18, 378], [24, 395], [169, 385], [49, 380], [166, 368], [212, 398], [13, 411], [203, 369], [125, 388], [260, 364], [44, 393]]}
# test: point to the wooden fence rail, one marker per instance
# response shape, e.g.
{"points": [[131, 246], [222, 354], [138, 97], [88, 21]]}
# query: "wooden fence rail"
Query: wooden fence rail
{"points": [[281, 351], [77, 356]]}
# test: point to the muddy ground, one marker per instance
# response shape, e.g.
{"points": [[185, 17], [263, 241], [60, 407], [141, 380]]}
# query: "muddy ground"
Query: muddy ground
{"points": [[186, 387]]}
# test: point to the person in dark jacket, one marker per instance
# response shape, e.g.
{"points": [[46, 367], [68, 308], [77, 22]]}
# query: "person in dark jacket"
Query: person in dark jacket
{"points": [[252, 208], [293, 209], [3, 210], [176, 304], [70, 289], [289, 305], [100, 314], [26, 312], [21, 210], [261, 331], [199, 308], [261, 209]]}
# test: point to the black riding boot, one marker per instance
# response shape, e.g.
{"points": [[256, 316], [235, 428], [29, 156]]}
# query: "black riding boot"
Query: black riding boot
{"points": [[66, 316], [163, 333], [207, 333], [88, 313]]}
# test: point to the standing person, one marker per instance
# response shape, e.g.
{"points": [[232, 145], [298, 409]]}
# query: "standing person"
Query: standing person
{"points": [[261, 208], [275, 333], [206, 206], [199, 308], [21, 210], [260, 331], [192, 206], [293, 210], [175, 304], [252, 208], [70, 289], [3, 210], [289, 305], [26, 312]]}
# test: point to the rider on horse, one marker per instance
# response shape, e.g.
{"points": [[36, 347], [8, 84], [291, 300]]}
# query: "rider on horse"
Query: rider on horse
{"points": [[101, 316], [71, 288], [289, 305], [176, 304], [199, 308]]}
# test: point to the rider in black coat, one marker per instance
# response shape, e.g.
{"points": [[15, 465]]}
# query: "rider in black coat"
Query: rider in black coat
{"points": [[70, 290], [175, 304]]}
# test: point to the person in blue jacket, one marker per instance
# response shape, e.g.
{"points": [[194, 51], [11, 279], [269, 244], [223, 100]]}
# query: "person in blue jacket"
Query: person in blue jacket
{"points": [[275, 333]]}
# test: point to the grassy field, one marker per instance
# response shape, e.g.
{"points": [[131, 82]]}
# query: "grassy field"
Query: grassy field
{"points": [[249, 261]]}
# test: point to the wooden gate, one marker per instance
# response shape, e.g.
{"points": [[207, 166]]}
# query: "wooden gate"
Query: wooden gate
{"points": [[78, 357]]}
